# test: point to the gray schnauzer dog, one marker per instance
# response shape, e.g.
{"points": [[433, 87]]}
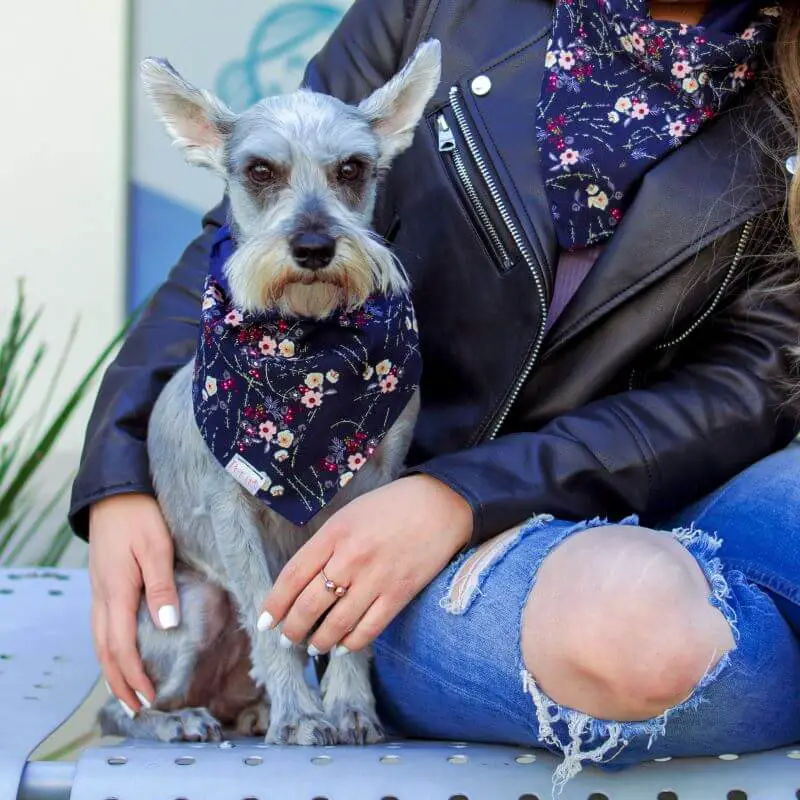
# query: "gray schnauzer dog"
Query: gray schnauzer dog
{"points": [[301, 172]]}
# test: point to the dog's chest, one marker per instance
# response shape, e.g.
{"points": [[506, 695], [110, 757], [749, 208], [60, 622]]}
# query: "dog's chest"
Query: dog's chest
{"points": [[281, 539]]}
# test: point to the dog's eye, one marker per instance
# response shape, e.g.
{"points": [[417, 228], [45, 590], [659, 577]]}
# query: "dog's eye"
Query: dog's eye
{"points": [[260, 172], [350, 171]]}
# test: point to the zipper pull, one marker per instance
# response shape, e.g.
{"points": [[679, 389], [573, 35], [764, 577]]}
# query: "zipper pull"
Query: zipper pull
{"points": [[447, 141]]}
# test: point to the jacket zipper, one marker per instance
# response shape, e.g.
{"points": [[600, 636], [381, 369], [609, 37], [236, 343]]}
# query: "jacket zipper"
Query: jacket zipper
{"points": [[744, 239], [447, 144], [747, 232], [519, 240]]}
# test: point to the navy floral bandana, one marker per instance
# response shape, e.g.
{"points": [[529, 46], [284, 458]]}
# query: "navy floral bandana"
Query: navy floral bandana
{"points": [[622, 90], [293, 408]]}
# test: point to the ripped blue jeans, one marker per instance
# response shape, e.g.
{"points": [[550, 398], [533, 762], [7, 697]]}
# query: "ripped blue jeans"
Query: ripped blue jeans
{"points": [[450, 666]]}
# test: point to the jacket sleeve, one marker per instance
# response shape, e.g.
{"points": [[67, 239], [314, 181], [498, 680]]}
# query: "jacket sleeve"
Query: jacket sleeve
{"points": [[361, 55], [653, 451]]}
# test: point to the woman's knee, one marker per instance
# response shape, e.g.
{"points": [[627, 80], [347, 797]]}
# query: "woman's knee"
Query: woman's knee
{"points": [[619, 624]]}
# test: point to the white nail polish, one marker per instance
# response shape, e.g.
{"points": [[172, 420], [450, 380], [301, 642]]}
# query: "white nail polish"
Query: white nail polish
{"points": [[286, 642], [143, 700], [265, 621], [340, 650], [108, 688], [314, 651], [127, 709], [168, 617]]}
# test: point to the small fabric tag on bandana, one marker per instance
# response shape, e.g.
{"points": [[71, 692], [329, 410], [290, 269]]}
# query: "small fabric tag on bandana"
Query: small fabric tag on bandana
{"points": [[293, 408], [246, 475]]}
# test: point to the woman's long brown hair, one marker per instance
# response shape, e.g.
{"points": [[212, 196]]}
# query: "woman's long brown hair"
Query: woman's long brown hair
{"points": [[787, 60]]}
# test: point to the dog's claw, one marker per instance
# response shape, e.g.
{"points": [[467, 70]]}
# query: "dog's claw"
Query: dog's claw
{"points": [[358, 726], [187, 725], [309, 729]]}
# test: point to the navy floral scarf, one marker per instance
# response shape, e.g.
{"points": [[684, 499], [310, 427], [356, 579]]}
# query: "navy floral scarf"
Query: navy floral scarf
{"points": [[621, 90], [293, 408]]}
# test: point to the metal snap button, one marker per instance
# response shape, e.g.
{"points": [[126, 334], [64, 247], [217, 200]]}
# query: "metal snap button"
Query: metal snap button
{"points": [[481, 85]]}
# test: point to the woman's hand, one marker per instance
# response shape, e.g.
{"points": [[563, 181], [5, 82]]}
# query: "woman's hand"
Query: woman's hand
{"points": [[130, 548], [385, 547]]}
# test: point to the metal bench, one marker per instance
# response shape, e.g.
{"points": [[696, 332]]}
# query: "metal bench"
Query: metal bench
{"points": [[47, 669]]}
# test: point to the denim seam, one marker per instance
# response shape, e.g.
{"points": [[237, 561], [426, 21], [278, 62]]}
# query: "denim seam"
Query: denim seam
{"points": [[766, 578], [747, 567]]}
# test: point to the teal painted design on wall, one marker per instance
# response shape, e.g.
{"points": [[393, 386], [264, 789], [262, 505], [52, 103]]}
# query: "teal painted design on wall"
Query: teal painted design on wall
{"points": [[275, 50]]}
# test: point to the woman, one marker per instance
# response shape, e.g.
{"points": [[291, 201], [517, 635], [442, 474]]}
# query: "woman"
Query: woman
{"points": [[592, 215]]}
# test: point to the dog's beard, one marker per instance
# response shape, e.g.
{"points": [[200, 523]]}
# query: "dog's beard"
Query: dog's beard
{"points": [[316, 300], [263, 276]]}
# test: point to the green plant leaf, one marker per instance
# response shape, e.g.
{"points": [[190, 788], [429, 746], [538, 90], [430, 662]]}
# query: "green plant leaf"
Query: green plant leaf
{"points": [[61, 540], [23, 455], [16, 338], [11, 528], [21, 541], [33, 460]]}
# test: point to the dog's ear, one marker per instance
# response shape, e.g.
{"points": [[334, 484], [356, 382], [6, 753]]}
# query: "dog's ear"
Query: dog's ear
{"points": [[197, 121], [395, 109]]}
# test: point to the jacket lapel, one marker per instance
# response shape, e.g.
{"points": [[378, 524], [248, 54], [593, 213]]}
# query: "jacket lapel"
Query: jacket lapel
{"points": [[709, 186]]}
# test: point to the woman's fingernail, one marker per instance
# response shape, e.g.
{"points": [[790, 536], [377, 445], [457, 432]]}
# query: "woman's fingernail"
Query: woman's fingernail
{"points": [[286, 642], [108, 688], [127, 709], [143, 700], [168, 617], [314, 651], [340, 650], [265, 621]]}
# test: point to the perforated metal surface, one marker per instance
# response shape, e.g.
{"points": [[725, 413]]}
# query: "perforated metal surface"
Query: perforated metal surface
{"points": [[410, 771], [47, 665], [46, 653]]}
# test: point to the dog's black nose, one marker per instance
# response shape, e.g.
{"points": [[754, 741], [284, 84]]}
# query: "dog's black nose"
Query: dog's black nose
{"points": [[313, 250]]}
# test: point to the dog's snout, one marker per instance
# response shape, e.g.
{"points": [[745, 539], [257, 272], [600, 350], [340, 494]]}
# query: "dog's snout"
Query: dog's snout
{"points": [[313, 250]]}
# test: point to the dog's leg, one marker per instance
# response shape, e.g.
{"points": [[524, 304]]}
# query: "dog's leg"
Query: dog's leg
{"points": [[348, 699], [346, 690], [170, 659], [296, 714]]}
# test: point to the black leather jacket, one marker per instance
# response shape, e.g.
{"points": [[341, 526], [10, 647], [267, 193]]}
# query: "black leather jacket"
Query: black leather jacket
{"points": [[662, 378]]}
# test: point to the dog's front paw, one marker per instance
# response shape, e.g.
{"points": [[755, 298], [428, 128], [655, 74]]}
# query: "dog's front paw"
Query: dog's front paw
{"points": [[186, 725], [306, 729], [357, 725]]}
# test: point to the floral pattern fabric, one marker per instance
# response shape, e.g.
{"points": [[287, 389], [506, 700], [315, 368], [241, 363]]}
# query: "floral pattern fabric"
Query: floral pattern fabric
{"points": [[294, 408], [621, 90]]}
